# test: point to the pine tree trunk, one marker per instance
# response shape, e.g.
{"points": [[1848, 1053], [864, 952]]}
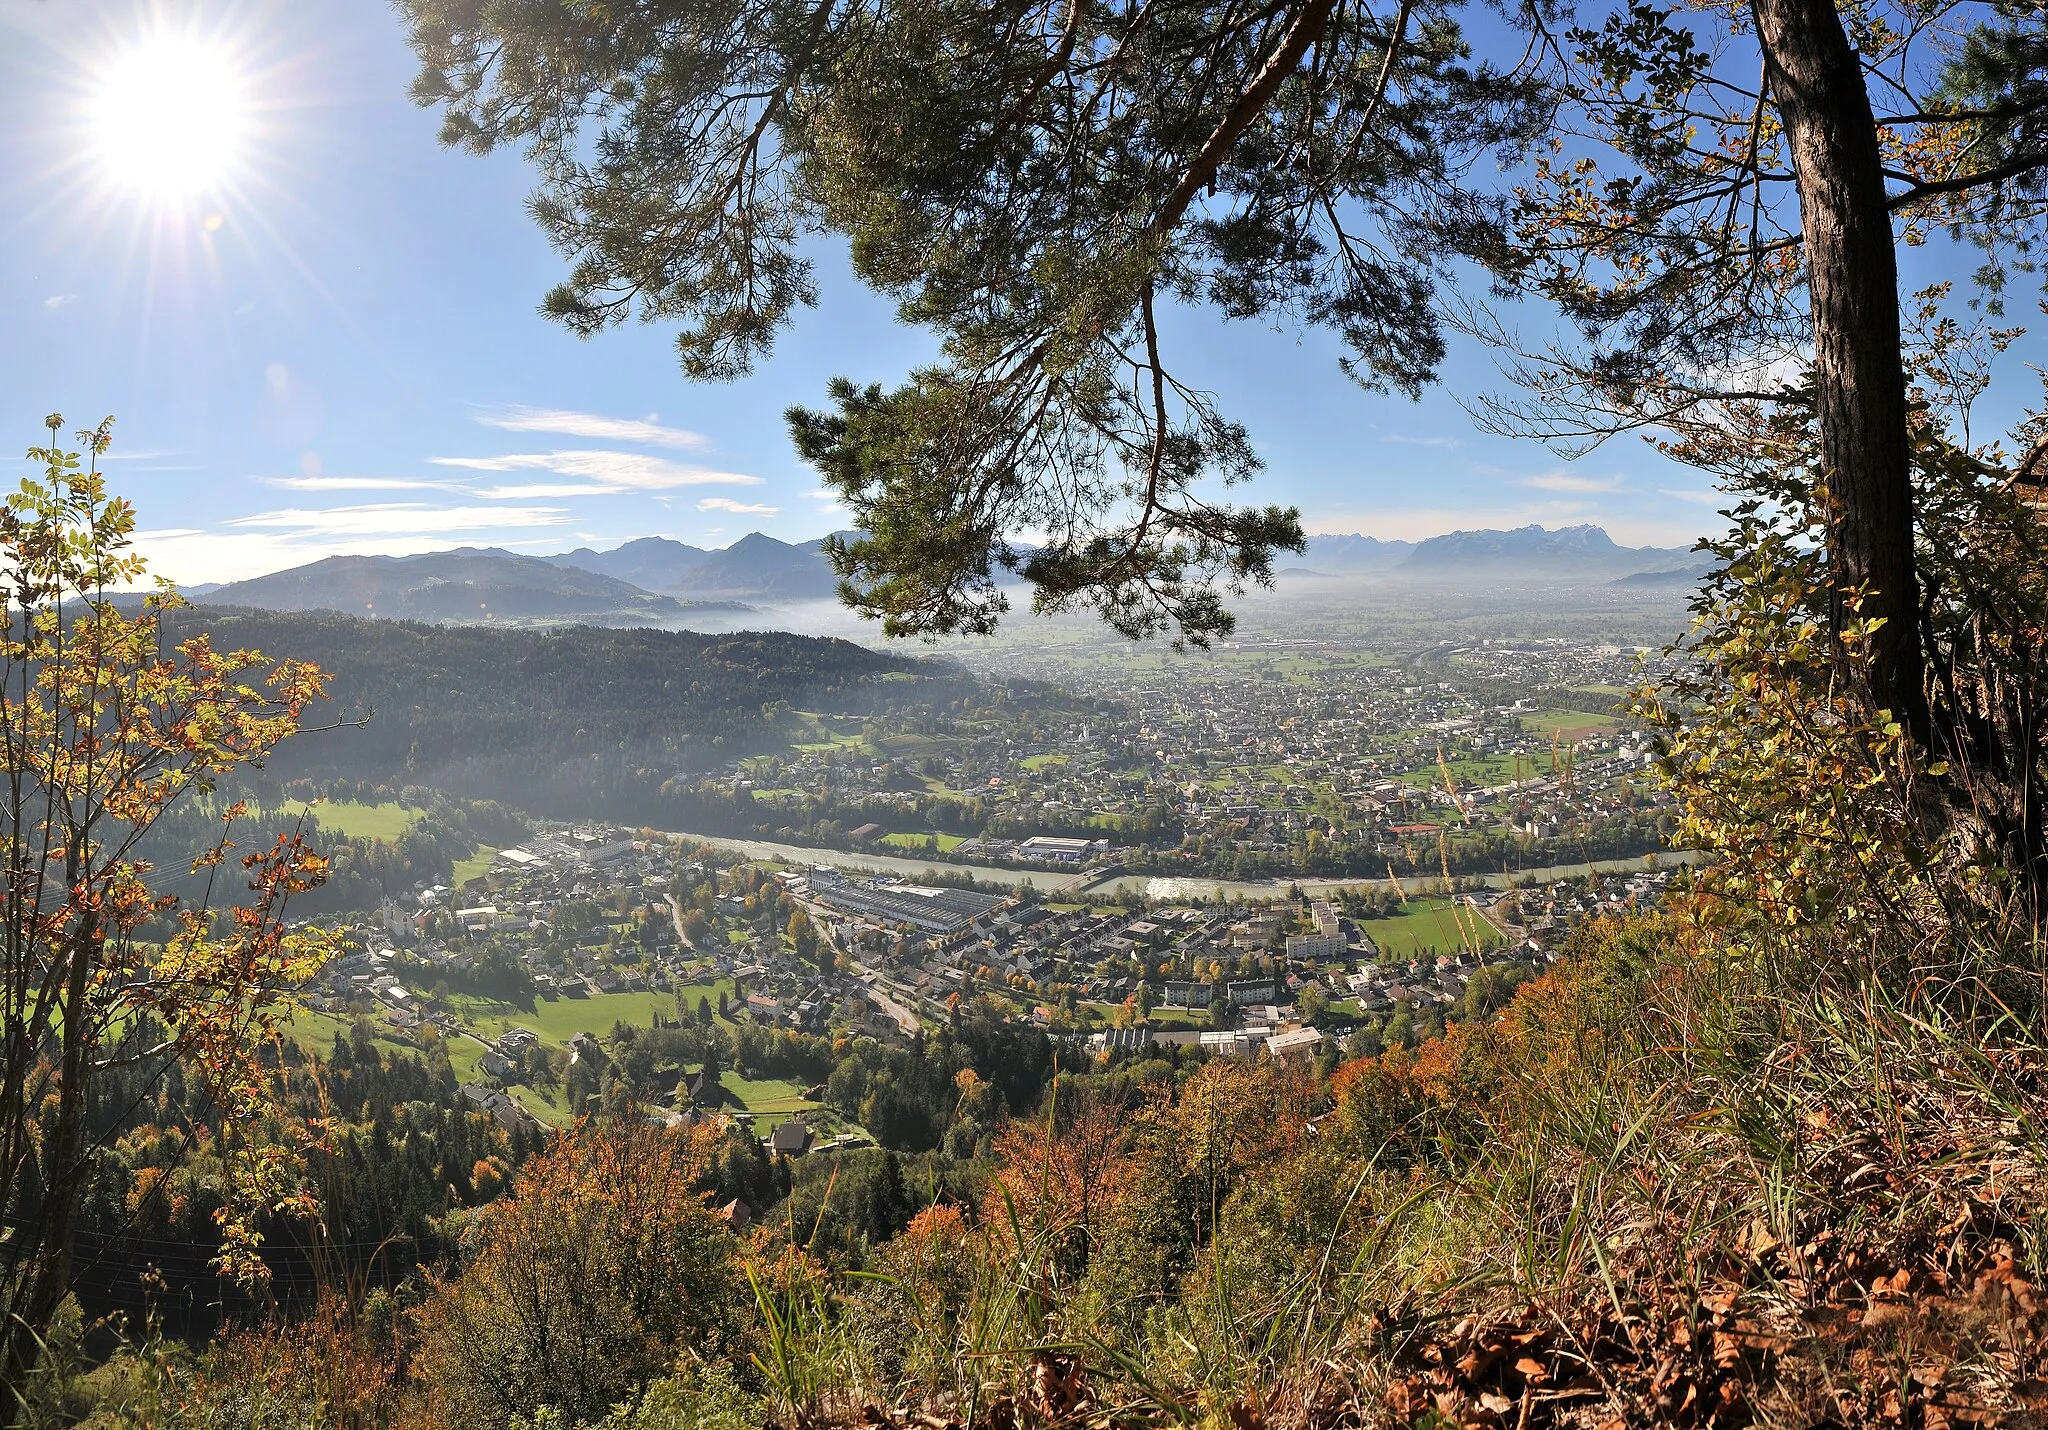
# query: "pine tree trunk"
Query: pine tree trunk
{"points": [[1853, 288]]}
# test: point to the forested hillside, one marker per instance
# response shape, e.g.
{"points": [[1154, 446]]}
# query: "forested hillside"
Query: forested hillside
{"points": [[582, 721]]}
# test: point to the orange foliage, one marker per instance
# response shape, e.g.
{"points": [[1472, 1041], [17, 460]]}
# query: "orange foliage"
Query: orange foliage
{"points": [[934, 1247], [324, 1360], [487, 1177], [601, 1260], [1060, 1175]]}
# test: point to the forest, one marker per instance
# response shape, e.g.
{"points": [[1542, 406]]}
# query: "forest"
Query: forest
{"points": [[579, 723]]}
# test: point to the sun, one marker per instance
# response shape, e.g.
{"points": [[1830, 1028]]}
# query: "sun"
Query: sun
{"points": [[170, 116]]}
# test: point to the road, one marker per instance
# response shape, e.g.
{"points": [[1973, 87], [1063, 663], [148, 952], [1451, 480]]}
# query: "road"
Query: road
{"points": [[904, 1017]]}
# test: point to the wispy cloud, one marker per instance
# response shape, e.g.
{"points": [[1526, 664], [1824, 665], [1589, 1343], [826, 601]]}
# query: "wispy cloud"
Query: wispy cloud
{"points": [[540, 491], [598, 428], [602, 472], [1407, 441], [399, 519], [737, 508], [191, 556], [59, 300], [1573, 482], [1704, 498], [278, 540], [358, 484]]}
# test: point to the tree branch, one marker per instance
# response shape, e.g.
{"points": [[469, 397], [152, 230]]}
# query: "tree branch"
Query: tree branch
{"points": [[1307, 28], [1997, 174]]}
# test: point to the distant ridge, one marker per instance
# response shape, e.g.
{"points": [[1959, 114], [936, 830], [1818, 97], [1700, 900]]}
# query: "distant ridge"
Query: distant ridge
{"points": [[1351, 555], [479, 585], [653, 579], [756, 567], [653, 563], [1566, 553], [1690, 575], [1583, 552]]}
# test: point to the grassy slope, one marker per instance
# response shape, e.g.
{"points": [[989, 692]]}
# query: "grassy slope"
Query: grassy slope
{"points": [[1658, 1191], [365, 821]]}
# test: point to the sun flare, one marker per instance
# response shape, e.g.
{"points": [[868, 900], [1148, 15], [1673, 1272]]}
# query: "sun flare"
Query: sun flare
{"points": [[171, 116]]}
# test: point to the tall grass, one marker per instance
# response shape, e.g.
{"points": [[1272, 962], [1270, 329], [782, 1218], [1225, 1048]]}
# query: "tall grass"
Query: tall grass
{"points": [[1784, 1178]]}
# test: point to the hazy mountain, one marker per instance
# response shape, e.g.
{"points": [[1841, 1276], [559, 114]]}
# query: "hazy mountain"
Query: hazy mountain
{"points": [[1567, 553], [653, 563], [1689, 575], [652, 580], [469, 584], [758, 567], [1351, 555]]}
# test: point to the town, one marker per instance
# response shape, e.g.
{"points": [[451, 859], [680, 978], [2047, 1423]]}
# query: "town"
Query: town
{"points": [[535, 976], [1282, 759]]}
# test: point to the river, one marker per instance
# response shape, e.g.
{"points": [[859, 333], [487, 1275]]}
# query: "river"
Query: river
{"points": [[1194, 888], [861, 859], [1150, 885]]}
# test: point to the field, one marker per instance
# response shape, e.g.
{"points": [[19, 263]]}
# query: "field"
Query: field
{"points": [[771, 1100], [316, 1031], [560, 1019], [916, 842], [364, 821], [1569, 724], [909, 743], [1424, 924], [824, 737], [474, 866], [1485, 773]]}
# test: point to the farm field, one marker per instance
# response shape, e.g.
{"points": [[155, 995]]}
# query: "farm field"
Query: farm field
{"points": [[316, 1031], [560, 1019], [1486, 773], [824, 737], [772, 1100], [1424, 924], [910, 743]]}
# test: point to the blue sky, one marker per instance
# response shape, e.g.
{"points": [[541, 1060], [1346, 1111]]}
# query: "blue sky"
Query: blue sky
{"points": [[337, 348]]}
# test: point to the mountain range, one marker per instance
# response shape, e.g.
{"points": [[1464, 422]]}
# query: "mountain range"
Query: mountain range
{"points": [[1524, 553], [469, 585], [656, 581], [1352, 555], [756, 567]]}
